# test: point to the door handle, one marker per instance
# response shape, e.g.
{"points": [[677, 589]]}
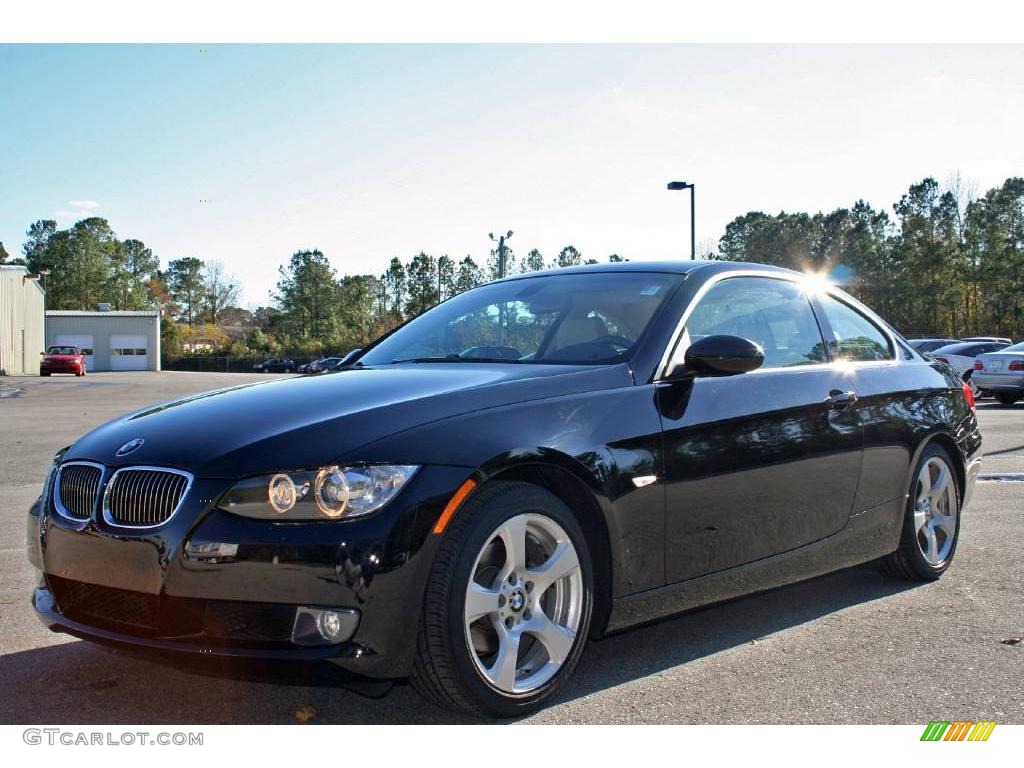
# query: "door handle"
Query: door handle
{"points": [[839, 399]]}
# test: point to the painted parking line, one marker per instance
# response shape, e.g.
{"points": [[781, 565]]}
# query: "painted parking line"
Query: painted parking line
{"points": [[1004, 477]]}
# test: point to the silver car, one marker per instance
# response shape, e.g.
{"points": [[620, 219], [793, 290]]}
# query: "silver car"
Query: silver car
{"points": [[1001, 373]]}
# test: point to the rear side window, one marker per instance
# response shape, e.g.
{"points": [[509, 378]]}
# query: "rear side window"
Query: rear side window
{"points": [[856, 337], [774, 313]]}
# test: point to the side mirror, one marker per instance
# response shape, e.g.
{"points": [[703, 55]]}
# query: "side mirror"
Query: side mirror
{"points": [[719, 356], [42, 353]]}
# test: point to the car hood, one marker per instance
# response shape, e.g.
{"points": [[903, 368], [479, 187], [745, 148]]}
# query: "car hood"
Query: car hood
{"points": [[55, 358], [309, 421]]}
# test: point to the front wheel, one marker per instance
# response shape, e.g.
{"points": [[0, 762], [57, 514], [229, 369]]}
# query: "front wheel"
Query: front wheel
{"points": [[1007, 398], [931, 526], [508, 606]]}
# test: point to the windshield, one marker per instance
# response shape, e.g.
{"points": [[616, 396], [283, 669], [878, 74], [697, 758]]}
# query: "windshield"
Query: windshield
{"points": [[569, 318], [62, 351]]}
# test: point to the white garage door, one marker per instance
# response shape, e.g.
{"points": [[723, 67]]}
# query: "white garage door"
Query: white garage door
{"points": [[84, 343], [128, 353]]}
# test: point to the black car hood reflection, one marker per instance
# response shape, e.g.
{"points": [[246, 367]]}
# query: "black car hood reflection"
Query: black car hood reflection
{"points": [[304, 422]]}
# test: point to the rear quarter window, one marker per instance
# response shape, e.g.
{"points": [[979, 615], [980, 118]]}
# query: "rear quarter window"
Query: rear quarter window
{"points": [[855, 337]]}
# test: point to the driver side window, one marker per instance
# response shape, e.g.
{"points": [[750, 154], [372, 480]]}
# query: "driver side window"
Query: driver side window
{"points": [[773, 313]]}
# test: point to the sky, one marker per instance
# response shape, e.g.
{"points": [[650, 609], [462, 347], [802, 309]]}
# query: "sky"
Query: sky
{"points": [[245, 154]]}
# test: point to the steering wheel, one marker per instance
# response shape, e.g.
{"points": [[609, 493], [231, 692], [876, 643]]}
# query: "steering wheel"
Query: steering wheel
{"points": [[618, 341]]}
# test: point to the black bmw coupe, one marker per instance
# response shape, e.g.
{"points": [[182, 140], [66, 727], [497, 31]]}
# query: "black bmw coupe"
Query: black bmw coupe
{"points": [[532, 463]]}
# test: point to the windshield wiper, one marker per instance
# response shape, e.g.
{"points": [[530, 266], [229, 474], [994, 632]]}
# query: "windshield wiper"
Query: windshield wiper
{"points": [[455, 359]]}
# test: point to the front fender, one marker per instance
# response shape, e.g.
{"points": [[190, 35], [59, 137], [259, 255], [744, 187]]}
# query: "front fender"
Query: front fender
{"points": [[606, 439]]}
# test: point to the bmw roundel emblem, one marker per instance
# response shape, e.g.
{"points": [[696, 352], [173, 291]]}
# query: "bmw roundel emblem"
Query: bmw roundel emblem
{"points": [[131, 445]]}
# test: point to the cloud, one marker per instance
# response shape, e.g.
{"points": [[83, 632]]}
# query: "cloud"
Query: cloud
{"points": [[79, 209]]}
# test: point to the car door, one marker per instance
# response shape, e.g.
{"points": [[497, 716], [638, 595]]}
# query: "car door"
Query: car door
{"points": [[891, 401], [763, 462]]}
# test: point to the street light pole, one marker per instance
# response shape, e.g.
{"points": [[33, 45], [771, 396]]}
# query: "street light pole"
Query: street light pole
{"points": [[501, 250], [679, 185]]}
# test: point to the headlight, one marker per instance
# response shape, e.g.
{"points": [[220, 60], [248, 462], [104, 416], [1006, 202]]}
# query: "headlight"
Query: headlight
{"points": [[328, 493], [50, 475]]}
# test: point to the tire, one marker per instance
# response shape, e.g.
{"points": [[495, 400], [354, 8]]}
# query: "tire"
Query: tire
{"points": [[1007, 398], [44, 373], [920, 556], [458, 662]]}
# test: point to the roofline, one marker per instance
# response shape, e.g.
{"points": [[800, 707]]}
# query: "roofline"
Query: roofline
{"points": [[26, 277], [671, 267], [98, 313]]}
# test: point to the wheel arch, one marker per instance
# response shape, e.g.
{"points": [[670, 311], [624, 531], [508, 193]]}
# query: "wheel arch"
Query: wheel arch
{"points": [[947, 441], [577, 488]]}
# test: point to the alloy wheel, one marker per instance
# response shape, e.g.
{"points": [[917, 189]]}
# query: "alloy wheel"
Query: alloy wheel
{"points": [[935, 511], [524, 603]]}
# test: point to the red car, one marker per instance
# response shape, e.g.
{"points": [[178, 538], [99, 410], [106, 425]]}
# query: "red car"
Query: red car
{"points": [[62, 358]]}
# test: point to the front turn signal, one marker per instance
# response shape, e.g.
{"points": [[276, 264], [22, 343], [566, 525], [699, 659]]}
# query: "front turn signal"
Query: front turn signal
{"points": [[453, 504]]}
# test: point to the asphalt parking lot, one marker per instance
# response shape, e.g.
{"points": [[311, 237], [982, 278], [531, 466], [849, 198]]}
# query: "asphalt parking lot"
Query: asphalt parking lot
{"points": [[845, 648]]}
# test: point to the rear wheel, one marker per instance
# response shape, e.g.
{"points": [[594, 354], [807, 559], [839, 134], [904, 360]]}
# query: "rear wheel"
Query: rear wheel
{"points": [[1007, 398], [931, 524], [508, 605]]}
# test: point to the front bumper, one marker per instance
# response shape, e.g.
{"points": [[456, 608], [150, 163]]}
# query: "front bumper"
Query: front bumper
{"points": [[185, 640], [213, 583], [998, 382]]}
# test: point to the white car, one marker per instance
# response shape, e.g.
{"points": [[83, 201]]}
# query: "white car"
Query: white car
{"points": [[1001, 373], [961, 358], [1002, 339]]}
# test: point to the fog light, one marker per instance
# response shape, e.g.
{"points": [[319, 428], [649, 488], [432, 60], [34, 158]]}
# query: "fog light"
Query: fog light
{"points": [[324, 626], [212, 552]]}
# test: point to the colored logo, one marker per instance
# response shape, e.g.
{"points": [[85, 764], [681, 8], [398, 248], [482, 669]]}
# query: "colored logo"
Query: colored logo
{"points": [[958, 730], [131, 445]]}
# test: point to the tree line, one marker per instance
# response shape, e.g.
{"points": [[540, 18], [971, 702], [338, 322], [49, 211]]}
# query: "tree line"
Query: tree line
{"points": [[87, 264], [945, 262], [315, 309], [948, 262]]}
